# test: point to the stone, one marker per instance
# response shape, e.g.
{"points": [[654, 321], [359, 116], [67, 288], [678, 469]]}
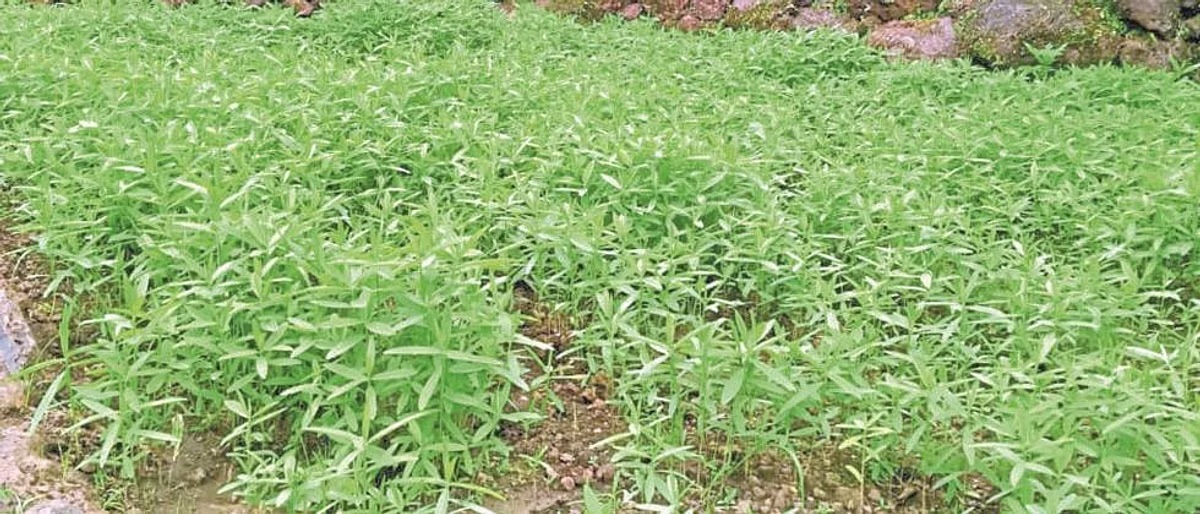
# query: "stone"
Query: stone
{"points": [[1154, 54], [1158, 16], [611, 6], [54, 507], [690, 23], [1191, 28], [632, 12], [916, 39], [889, 10], [12, 395], [745, 5], [996, 31], [16, 340], [666, 10], [709, 10], [809, 18]]}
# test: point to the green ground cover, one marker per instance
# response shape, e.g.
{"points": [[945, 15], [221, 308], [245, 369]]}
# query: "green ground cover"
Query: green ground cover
{"points": [[310, 230]]}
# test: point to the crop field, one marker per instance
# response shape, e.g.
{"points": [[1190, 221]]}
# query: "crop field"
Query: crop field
{"points": [[423, 257]]}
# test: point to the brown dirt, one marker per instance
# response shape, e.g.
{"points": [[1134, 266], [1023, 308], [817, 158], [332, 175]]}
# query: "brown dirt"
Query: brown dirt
{"points": [[555, 457], [37, 469], [188, 480]]}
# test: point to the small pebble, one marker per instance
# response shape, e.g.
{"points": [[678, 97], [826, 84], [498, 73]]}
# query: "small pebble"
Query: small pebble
{"points": [[566, 458], [820, 494], [567, 483], [605, 472], [875, 496]]}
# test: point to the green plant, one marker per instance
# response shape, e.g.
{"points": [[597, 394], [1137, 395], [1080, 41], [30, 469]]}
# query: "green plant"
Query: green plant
{"points": [[304, 235]]}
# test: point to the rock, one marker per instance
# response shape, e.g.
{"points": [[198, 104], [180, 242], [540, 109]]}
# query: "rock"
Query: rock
{"points": [[1158, 16], [1154, 54], [820, 494], [610, 6], [889, 10], [916, 39], [54, 507], [16, 341], [605, 472], [303, 8], [667, 10], [808, 18], [709, 10], [996, 31], [745, 5], [12, 396], [690, 23], [1191, 28], [631, 12], [874, 496], [567, 483]]}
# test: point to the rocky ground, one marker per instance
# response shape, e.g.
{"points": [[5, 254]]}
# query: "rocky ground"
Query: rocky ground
{"points": [[996, 33]]}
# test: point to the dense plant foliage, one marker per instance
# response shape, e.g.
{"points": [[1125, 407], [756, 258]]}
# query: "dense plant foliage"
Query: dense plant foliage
{"points": [[305, 235]]}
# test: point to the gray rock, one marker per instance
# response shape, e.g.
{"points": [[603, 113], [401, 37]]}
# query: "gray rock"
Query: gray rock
{"points": [[1158, 16], [996, 31], [16, 341]]}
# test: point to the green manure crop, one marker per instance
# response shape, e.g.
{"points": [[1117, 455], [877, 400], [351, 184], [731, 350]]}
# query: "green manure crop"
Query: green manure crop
{"points": [[304, 236]]}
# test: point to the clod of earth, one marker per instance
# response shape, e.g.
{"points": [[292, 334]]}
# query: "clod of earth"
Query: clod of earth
{"points": [[916, 39]]}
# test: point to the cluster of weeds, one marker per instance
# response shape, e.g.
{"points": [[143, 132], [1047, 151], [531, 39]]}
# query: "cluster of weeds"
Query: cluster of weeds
{"points": [[313, 252]]}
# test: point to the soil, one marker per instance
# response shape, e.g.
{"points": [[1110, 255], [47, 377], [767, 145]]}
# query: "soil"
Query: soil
{"points": [[37, 471], [188, 481], [556, 457]]}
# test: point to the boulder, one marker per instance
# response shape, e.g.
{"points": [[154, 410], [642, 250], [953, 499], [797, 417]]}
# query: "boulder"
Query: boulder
{"points": [[916, 39], [995, 32], [1158, 16]]}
